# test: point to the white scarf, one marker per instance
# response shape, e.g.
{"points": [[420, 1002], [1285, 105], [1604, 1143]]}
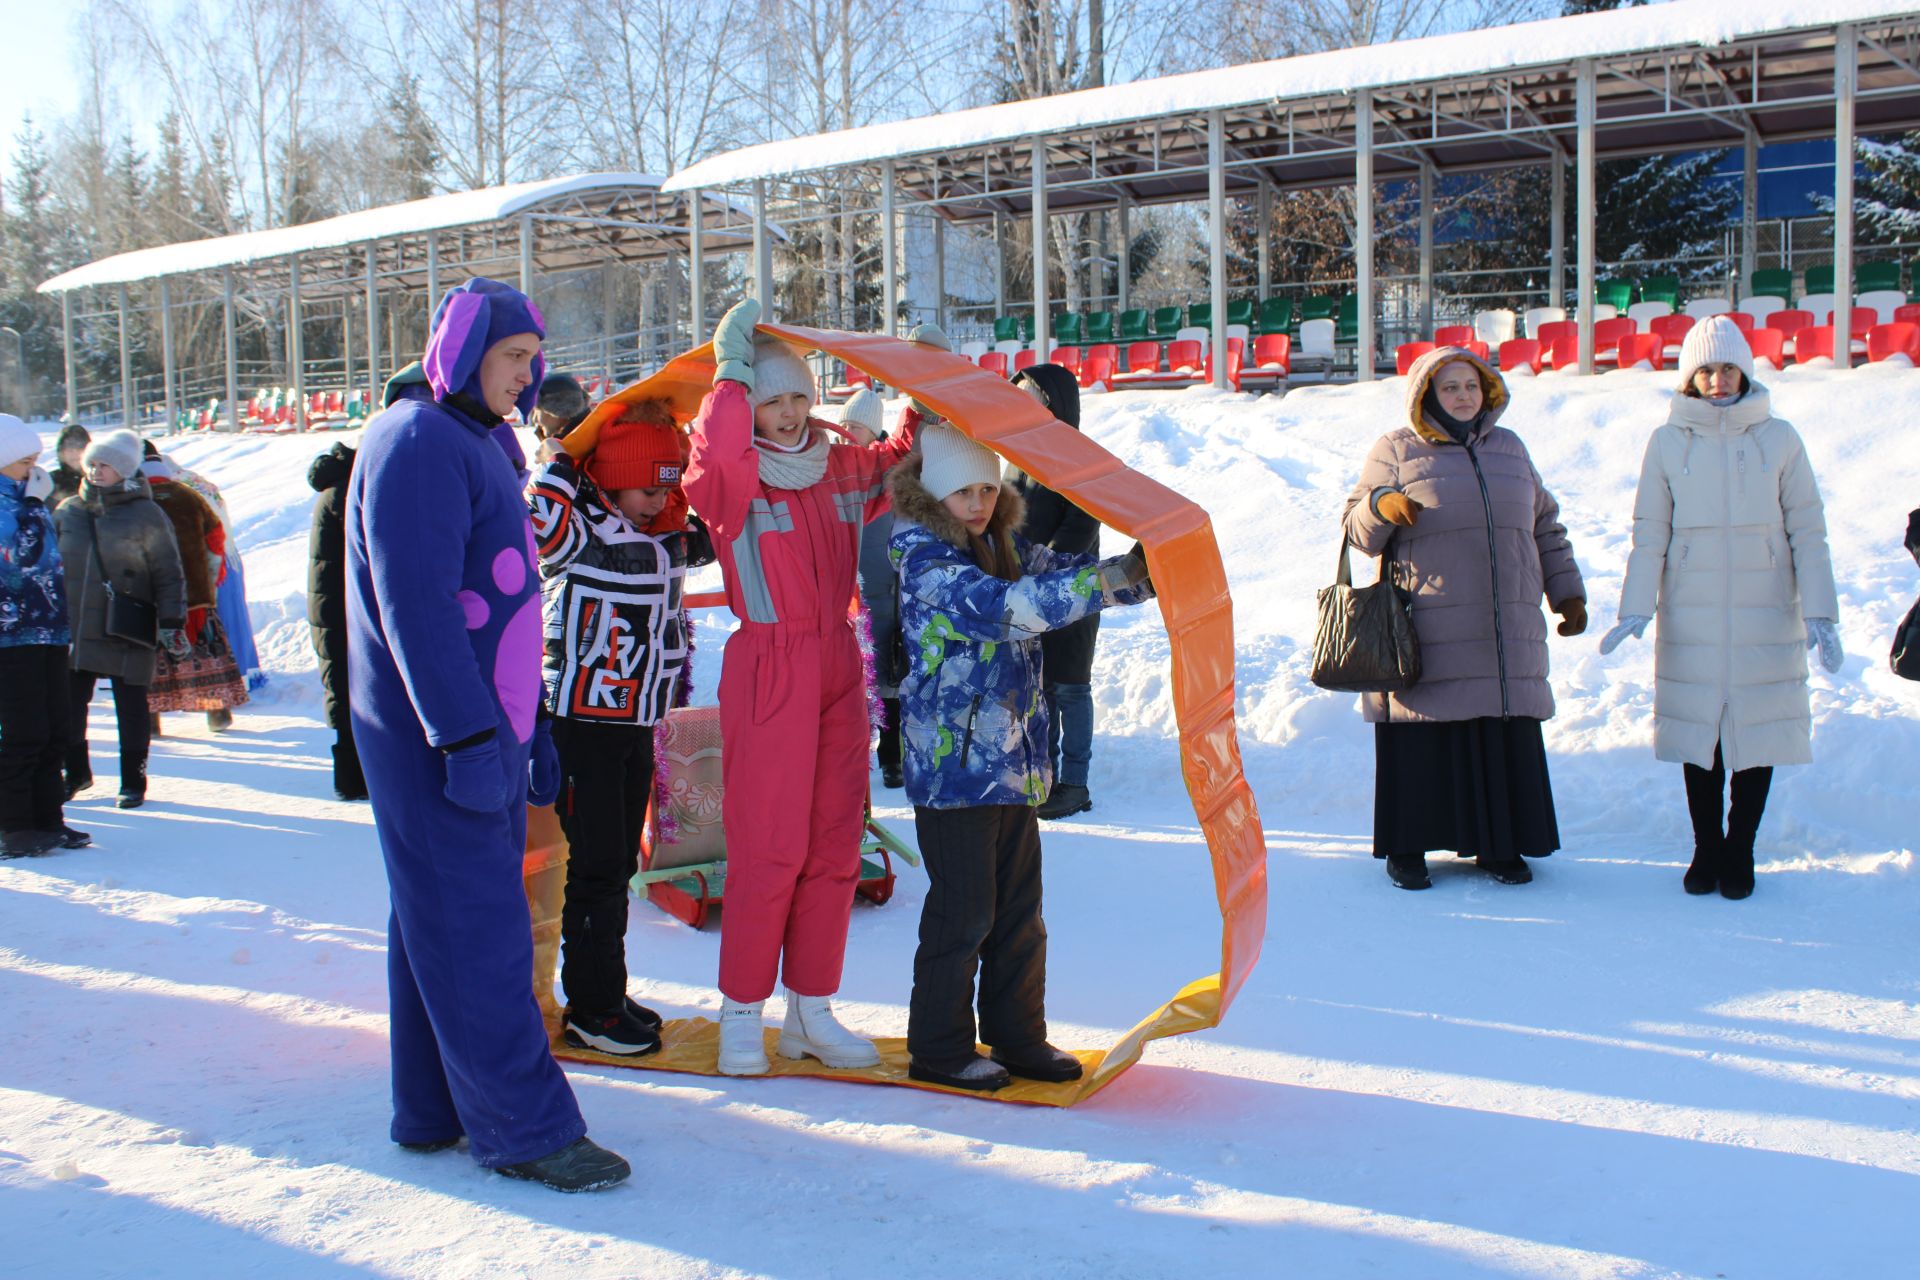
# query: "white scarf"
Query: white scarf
{"points": [[795, 468]]}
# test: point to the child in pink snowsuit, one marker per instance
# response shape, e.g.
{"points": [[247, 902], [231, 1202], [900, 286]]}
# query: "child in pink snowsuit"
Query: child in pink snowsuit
{"points": [[786, 512]]}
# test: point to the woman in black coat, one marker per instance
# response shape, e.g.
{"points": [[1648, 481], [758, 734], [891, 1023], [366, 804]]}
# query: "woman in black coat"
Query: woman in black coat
{"points": [[1056, 523], [327, 610]]}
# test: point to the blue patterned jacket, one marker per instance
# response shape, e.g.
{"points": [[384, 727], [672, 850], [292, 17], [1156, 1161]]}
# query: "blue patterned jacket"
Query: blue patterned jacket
{"points": [[33, 586], [974, 723]]}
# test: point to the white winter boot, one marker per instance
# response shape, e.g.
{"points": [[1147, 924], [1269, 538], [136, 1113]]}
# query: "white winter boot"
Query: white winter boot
{"points": [[811, 1030], [743, 1050]]}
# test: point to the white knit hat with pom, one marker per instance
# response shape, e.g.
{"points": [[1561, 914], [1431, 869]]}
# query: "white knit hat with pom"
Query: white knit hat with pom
{"points": [[949, 461], [1715, 340]]}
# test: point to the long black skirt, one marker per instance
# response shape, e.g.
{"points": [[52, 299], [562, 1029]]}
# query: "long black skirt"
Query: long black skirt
{"points": [[1476, 787]]}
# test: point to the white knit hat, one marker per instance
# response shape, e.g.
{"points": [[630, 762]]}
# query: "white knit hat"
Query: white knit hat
{"points": [[17, 440], [949, 461], [866, 409], [1715, 340], [118, 449], [778, 370]]}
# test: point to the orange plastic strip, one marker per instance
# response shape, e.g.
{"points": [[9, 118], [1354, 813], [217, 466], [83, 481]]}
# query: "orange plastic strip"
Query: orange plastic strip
{"points": [[1192, 584]]}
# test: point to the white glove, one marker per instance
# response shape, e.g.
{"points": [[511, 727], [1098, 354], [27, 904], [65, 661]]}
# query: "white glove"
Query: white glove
{"points": [[1630, 624], [1822, 633], [39, 484]]}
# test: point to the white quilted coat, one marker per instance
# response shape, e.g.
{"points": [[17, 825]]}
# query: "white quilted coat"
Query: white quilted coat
{"points": [[1730, 556]]}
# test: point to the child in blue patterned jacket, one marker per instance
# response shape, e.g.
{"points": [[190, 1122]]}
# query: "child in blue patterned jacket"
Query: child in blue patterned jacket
{"points": [[974, 602]]}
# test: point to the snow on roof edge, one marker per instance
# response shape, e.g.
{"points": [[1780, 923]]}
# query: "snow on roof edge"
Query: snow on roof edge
{"points": [[1544, 42]]}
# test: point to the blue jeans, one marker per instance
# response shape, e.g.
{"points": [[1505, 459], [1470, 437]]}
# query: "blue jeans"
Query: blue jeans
{"points": [[1070, 732]]}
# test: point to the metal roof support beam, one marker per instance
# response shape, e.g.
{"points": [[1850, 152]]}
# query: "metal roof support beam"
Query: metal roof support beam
{"points": [[526, 254], [433, 278], [1583, 110], [762, 261], [1426, 249], [296, 345], [1749, 212], [373, 334], [230, 340], [1846, 66], [128, 416], [1042, 331], [697, 265], [940, 273], [346, 343], [1263, 220], [999, 264], [166, 353], [1557, 235], [1126, 252], [889, 254], [1363, 231], [66, 354], [1217, 245]]}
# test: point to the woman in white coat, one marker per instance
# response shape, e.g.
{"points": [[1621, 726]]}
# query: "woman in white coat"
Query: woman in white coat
{"points": [[1730, 554]]}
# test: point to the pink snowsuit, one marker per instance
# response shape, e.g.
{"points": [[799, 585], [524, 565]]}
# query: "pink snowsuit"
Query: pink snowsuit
{"points": [[793, 699]]}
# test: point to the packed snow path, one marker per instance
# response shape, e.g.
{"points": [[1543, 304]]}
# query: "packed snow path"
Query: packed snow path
{"points": [[1593, 1075]]}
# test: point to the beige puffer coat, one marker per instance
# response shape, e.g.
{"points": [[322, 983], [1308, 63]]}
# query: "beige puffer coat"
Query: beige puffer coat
{"points": [[1730, 556], [1490, 533]]}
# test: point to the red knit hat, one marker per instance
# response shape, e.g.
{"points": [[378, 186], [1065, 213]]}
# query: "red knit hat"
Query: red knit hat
{"points": [[639, 450]]}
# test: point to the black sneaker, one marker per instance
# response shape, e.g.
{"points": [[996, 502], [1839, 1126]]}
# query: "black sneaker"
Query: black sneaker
{"points": [[131, 799], [582, 1166], [1042, 1062], [1513, 872], [975, 1073], [891, 777], [614, 1033], [73, 838], [78, 782], [1409, 872], [1068, 798], [219, 721], [28, 844], [428, 1148], [643, 1015]]}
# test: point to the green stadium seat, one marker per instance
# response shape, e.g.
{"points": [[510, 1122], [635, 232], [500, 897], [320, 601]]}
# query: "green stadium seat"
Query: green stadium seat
{"points": [[1346, 326], [1317, 307], [1617, 294], [1820, 279], [1876, 277], [1773, 283], [1200, 315], [1067, 328], [1660, 289], [1025, 320], [1006, 329], [1136, 325], [1240, 311], [1166, 322], [1099, 327], [1276, 316]]}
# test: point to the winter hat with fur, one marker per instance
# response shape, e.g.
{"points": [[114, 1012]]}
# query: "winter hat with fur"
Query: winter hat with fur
{"points": [[864, 408], [949, 461], [1715, 340], [17, 440], [638, 451], [118, 449], [778, 370]]}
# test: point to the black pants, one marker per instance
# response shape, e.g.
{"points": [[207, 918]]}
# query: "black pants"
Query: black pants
{"points": [[889, 748], [982, 907], [136, 729], [330, 646], [34, 724], [608, 771], [1706, 793]]}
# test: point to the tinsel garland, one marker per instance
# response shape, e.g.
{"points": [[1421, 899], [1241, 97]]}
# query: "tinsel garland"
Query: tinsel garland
{"points": [[665, 829], [863, 636]]}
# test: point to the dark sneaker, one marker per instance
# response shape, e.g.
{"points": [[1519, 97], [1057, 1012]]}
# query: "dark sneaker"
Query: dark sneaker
{"points": [[1514, 872], [349, 794], [1041, 1062], [1068, 798], [78, 782], [28, 844], [73, 838], [974, 1073], [131, 799], [582, 1166], [643, 1015], [613, 1033], [219, 721], [1409, 872], [428, 1148], [891, 777]]}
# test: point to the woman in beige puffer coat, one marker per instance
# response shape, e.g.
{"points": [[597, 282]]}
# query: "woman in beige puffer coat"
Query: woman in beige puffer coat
{"points": [[1730, 554]]}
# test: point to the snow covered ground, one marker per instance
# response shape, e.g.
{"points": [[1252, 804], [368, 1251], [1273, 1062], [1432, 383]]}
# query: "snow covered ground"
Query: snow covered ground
{"points": [[1593, 1075]]}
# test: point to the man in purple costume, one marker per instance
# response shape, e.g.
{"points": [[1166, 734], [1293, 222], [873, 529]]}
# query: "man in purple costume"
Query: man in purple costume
{"points": [[443, 627]]}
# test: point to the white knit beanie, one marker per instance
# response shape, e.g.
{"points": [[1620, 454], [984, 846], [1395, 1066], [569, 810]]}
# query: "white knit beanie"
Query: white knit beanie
{"points": [[1715, 340], [778, 370], [17, 440], [118, 449], [866, 409], [949, 461]]}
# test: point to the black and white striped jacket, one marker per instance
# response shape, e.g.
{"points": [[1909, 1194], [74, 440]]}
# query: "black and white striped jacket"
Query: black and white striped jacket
{"points": [[616, 630]]}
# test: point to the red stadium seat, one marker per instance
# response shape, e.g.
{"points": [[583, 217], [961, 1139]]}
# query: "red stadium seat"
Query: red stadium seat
{"points": [[1635, 347], [1095, 370], [994, 362], [1741, 320], [1812, 342], [1067, 358], [1184, 356], [1608, 333], [1406, 353], [1521, 353], [1768, 344], [1453, 335], [1234, 349], [1025, 359], [1907, 314], [1672, 329], [1790, 321], [1273, 351], [1143, 357], [1564, 352], [1106, 349], [1902, 337], [1555, 330]]}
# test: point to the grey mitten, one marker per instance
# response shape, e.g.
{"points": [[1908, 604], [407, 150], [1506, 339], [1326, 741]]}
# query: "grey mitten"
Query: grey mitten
{"points": [[1630, 624], [733, 343], [1823, 634]]}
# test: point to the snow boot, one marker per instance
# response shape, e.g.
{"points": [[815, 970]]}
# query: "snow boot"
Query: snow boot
{"points": [[1736, 866], [1510, 871], [349, 781], [743, 1050], [153, 724], [1067, 799], [133, 783], [1749, 791], [1409, 872], [891, 777], [428, 1148], [1703, 873], [641, 1014], [613, 1033], [811, 1031], [1706, 793], [79, 775], [582, 1165], [1041, 1062], [73, 838], [28, 844], [975, 1073], [219, 720]]}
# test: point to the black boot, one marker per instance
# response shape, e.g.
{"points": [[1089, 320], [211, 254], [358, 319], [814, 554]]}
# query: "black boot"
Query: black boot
{"points": [[1704, 798], [1510, 871], [1750, 787], [582, 1166], [1068, 798], [428, 1148], [973, 1072], [79, 770], [349, 783], [133, 783], [1041, 1062], [1409, 872], [220, 720]]}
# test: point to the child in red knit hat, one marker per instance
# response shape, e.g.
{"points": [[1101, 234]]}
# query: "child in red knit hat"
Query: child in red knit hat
{"points": [[615, 542]]}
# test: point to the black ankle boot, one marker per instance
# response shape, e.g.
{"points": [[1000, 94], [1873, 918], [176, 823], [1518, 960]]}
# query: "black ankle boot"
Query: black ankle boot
{"points": [[1409, 872], [1736, 867], [133, 783], [1703, 873]]}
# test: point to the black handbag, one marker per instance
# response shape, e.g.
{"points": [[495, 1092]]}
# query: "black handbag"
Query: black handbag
{"points": [[1365, 642], [129, 618], [1905, 658]]}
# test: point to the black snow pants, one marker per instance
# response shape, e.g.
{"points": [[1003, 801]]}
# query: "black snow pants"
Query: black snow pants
{"points": [[608, 772]]}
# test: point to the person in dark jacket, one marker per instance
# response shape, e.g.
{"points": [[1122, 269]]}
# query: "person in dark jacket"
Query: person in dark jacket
{"points": [[113, 527], [1055, 523], [327, 610], [209, 679], [68, 448], [33, 656], [562, 406]]}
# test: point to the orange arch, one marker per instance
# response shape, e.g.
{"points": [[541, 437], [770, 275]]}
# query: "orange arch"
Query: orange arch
{"points": [[1192, 585]]}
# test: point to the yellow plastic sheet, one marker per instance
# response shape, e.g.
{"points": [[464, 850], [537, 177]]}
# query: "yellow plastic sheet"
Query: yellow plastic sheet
{"points": [[1192, 584]]}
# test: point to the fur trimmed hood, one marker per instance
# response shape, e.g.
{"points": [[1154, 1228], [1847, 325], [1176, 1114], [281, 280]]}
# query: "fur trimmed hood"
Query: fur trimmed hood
{"points": [[1424, 371], [912, 501]]}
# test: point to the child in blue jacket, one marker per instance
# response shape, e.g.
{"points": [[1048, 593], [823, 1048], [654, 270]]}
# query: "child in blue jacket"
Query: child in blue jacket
{"points": [[974, 602]]}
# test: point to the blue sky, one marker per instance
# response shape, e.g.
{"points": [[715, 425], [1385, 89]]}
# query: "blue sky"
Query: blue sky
{"points": [[38, 75]]}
